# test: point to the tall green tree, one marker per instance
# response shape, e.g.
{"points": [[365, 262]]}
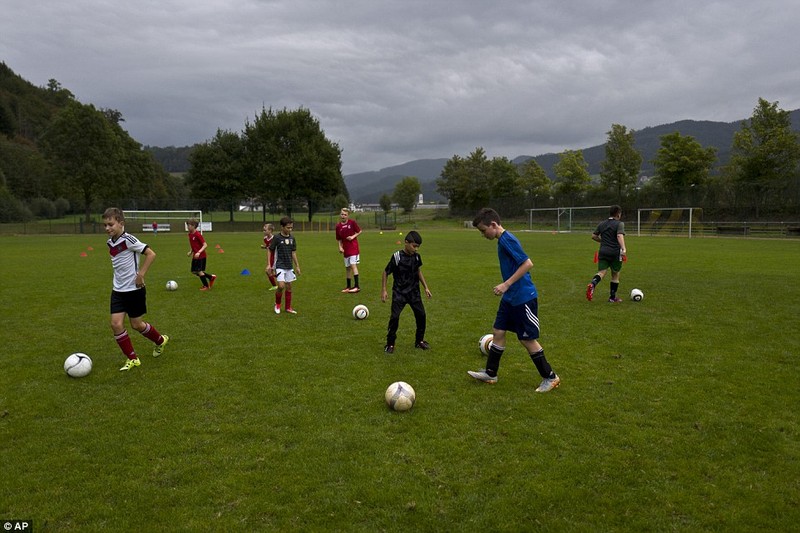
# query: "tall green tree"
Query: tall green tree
{"points": [[85, 151], [466, 182], [623, 162], [765, 156], [534, 182], [217, 170], [292, 161], [682, 167], [406, 193], [572, 172]]}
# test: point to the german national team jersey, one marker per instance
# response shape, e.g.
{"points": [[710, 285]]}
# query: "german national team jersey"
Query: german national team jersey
{"points": [[196, 241], [511, 255], [283, 246], [125, 253], [344, 230], [404, 270]]}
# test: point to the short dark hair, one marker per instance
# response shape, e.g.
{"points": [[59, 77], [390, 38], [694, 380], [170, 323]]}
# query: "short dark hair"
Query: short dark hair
{"points": [[485, 216], [615, 210], [414, 237], [115, 213], [285, 221]]}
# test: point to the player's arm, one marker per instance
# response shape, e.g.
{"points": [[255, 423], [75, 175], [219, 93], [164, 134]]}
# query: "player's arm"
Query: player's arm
{"points": [[296, 264], [149, 256], [621, 241], [424, 283], [596, 237], [384, 294], [518, 273]]}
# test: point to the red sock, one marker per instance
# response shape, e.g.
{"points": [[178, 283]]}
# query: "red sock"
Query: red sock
{"points": [[272, 280], [288, 299], [151, 333], [278, 298], [125, 344]]}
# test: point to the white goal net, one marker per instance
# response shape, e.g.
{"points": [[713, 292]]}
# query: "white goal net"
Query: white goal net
{"points": [[566, 219], [166, 221], [674, 221]]}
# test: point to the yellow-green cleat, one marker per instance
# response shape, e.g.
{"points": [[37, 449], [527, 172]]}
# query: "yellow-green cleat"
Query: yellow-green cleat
{"points": [[159, 349], [130, 363]]}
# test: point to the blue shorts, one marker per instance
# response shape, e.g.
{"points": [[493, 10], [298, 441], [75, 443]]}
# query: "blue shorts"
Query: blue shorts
{"points": [[521, 319]]}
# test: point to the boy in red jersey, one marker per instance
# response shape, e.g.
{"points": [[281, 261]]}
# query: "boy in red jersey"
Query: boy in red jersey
{"points": [[131, 259], [268, 236], [198, 254], [347, 232]]}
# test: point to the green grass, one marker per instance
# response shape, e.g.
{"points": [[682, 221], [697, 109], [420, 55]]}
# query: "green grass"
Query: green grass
{"points": [[676, 413]]}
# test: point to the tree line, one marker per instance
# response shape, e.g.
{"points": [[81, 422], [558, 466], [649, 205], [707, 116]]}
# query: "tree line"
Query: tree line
{"points": [[761, 177]]}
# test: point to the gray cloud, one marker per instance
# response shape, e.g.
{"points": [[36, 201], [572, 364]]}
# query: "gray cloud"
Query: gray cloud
{"points": [[393, 81]]}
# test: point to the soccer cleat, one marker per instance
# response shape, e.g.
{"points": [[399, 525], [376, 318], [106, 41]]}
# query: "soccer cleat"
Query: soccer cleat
{"points": [[423, 345], [481, 375], [346, 289], [277, 309], [274, 288], [354, 289], [389, 348], [291, 311], [130, 363], [159, 349], [548, 384], [590, 291], [614, 300], [204, 288], [212, 280]]}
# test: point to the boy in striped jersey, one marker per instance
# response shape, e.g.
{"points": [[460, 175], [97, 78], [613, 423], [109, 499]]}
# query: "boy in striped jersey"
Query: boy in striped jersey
{"points": [[130, 259]]}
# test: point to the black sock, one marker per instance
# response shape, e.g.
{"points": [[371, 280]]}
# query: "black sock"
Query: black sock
{"points": [[355, 280], [614, 287], [596, 279], [348, 283], [493, 361], [204, 279], [542, 365]]}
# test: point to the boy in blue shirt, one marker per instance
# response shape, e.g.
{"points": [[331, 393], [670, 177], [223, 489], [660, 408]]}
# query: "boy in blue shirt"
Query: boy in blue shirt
{"points": [[519, 307]]}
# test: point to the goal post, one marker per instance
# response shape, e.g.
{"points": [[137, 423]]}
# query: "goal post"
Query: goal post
{"points": [[566, 219], [674, 221], [167, 220]]}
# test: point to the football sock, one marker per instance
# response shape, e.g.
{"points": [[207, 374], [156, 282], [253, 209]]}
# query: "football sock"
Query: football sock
{"points": [[614, 287], [204, 279], [355, 280], [493, 361], [288, 299], [541, 364], [348, 283], [278, 298], [125, 344], [152, 334], [596, 279]]}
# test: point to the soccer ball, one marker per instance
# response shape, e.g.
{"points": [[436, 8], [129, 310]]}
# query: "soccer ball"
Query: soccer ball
{"points": [[484, 343], [637, 295], [360, 312], [172, 285], [78, 365], [400, 396]]}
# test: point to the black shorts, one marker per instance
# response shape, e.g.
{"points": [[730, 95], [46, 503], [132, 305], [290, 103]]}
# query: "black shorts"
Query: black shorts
{"points": [[133, 303], [199, 265]]}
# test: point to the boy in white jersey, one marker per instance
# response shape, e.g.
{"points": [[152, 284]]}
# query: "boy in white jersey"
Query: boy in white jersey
{"points": [[131, 259]]}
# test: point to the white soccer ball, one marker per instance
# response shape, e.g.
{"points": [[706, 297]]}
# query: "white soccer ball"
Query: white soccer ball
{"points": [[400, 396], [484, 343], [172, 285], [78, 365], [637, 295], [360, 312]]}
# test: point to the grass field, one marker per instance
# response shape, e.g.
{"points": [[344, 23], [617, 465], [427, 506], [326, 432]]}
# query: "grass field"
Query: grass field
{"points": [[674, 414]]}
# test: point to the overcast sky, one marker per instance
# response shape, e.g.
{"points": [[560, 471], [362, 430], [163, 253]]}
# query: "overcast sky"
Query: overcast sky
{"points": [[395, 81]]}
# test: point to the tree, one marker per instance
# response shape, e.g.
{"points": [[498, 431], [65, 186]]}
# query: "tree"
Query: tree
{"points": [[682, 167], [571, 170], [466, 182], [623, 162], [765, 156], [216, 171], [533, 181], [291, 161], [406, 193], [385, 202], [85, 151]]}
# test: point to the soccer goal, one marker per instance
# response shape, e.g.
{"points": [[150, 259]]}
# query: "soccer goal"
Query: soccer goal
{"points": [[674, 221], [566, 219], [167, 221]]}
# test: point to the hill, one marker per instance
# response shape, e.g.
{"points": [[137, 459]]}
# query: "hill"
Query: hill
{"points": [[367, 187]]}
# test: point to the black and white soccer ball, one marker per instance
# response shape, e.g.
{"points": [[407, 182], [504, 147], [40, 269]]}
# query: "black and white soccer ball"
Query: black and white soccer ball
{"points": [[78, 365], [637, 295], [400, 396]]}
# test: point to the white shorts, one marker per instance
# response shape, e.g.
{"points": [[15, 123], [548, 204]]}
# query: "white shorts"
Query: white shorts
{"points": [[352, 260], [286, 276]]}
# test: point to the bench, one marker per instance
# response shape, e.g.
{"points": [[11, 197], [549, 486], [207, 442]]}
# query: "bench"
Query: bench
{"points": [[733, 230], [161, 227]]}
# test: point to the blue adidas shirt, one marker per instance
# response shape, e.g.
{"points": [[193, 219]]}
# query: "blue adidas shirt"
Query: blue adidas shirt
{"points": [[511, 255]]}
